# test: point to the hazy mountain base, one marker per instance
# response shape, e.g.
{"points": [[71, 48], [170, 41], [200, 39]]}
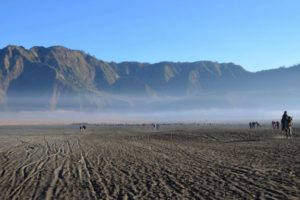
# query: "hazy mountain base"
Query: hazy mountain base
{"points": [[176, 116], [268, 100]]}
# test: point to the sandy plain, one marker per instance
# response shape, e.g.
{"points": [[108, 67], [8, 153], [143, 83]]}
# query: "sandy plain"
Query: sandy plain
{"points": [[136, 162]]}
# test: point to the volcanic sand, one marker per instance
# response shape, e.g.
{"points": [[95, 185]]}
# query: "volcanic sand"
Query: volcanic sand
{"points": [[136, 162]]}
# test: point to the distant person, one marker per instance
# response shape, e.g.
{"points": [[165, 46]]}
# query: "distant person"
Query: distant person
{"points": [[155, 126], [284, 123], [273, 124], [277, 124], [289, 127]]}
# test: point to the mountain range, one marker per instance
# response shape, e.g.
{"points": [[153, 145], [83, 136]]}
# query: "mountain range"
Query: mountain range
{"points": [[61, 78]]}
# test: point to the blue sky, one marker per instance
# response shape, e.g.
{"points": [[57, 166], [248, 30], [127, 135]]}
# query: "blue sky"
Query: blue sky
{"points": [[257, 34]]}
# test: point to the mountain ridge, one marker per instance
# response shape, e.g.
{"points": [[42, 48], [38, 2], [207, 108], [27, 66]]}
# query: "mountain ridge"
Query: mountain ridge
{"points": [[57, 74]]}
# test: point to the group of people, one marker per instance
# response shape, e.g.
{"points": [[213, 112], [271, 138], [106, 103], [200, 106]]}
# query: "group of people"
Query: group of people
{"points": [[286, 125], [82, 128], [155, 126], [275, 124]]}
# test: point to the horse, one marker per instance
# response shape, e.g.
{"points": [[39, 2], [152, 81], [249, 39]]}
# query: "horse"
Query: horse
{"points": [[254, 125], [257, 124]]}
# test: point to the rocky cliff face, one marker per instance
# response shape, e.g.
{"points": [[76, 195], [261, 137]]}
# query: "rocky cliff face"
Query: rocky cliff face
{"points": [[58, 77], [50, 73]]}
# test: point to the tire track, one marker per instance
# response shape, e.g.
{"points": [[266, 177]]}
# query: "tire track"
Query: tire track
{"points": [[133, 164], [57, 174]]}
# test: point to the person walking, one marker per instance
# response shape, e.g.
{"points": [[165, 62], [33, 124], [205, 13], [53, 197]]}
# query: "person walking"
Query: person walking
{"points": [[284, 123], [289, 127]]}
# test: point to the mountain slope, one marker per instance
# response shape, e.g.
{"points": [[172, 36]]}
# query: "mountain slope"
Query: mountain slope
{"points": [[58, 77]]}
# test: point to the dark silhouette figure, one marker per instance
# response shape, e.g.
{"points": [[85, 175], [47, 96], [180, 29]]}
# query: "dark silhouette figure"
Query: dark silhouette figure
{"points": [[82, 128], [155, 126], [277, 125], [284, 123], [254, 125], [289, 131]]}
